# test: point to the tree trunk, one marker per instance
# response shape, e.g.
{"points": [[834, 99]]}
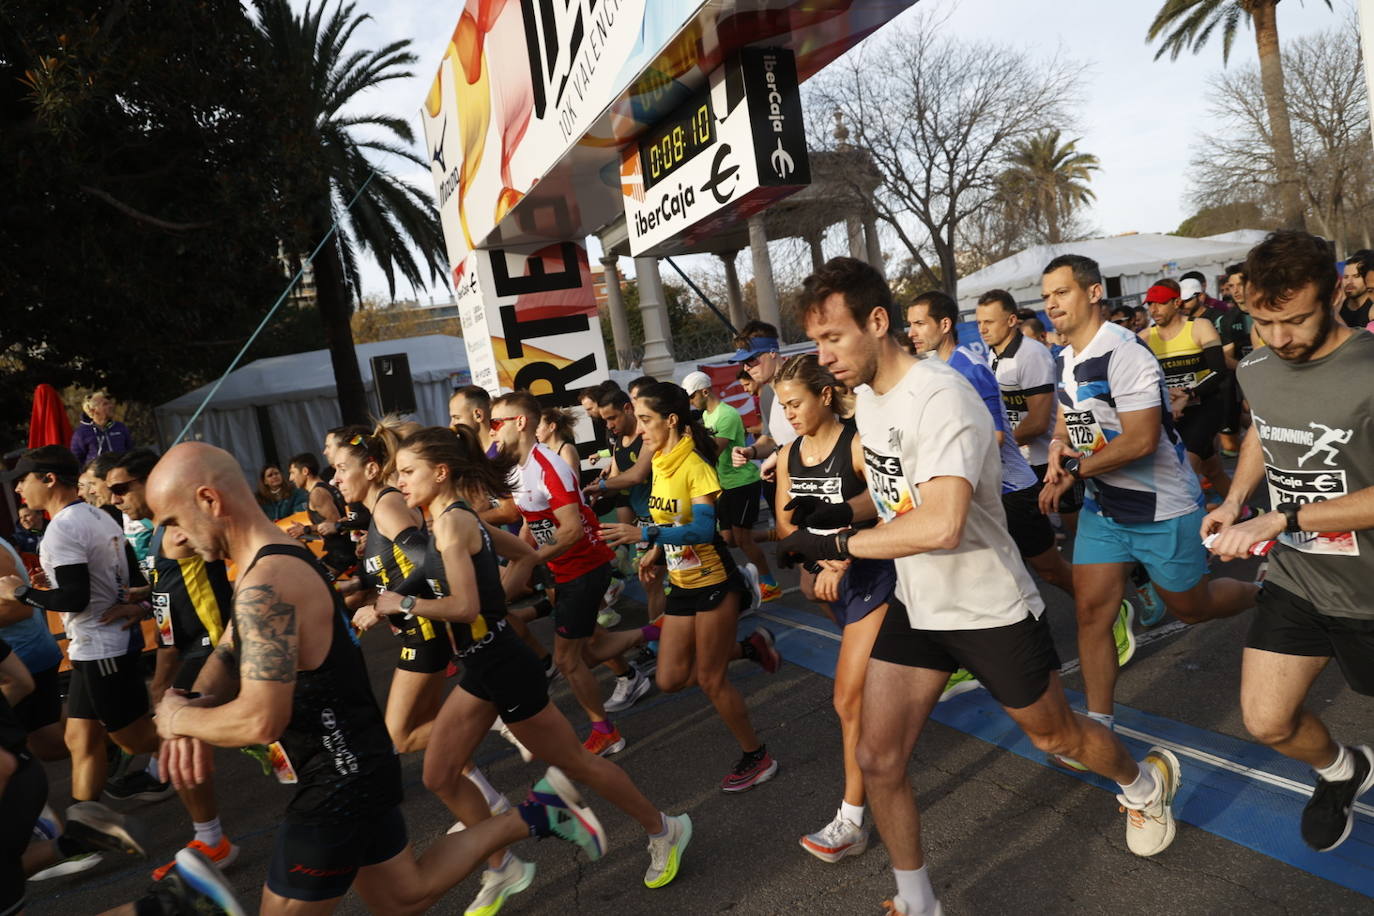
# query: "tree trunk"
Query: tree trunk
{"points": [[1052, 231], [1263, 15], [336, 310], [949, 271]]}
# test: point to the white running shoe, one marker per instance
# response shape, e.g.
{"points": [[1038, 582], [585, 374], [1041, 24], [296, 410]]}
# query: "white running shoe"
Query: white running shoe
{"points": [[505, 732], [1150, 827], [76, 864], [613, 592], [628, 691], [837, 839], [751, 578], [501, 807], [500, 883]]}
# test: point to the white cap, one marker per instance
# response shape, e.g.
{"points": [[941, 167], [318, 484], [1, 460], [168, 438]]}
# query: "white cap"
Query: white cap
{"points": [[695, 381], [1189, 288]]}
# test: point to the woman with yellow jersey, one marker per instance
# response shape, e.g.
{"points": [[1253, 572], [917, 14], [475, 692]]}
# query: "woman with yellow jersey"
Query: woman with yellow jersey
{"points": [[697, 641]]}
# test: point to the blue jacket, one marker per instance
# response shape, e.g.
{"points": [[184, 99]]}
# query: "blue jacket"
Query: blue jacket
{"points": [[90, 440]]}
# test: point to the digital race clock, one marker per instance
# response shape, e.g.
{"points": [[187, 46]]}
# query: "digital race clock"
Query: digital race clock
{"points": [[675, 141]]}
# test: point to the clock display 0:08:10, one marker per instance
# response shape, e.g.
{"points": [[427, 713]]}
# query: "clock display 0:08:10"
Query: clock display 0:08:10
{"points": [[676, 141]]}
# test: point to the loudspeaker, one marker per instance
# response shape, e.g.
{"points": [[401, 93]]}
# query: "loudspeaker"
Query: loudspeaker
{"points": [[393, 384]]}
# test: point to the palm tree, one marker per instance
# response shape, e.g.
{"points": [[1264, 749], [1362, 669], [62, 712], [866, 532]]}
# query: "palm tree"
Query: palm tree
{"points": [[1049, 177], [1190, 23], [315, 80]]}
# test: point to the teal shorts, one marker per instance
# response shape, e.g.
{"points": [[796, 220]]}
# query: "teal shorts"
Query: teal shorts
{"points": [[1171, 551]]}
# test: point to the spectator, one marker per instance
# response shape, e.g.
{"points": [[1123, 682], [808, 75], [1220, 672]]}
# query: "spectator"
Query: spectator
{"points": [[99, 433], [29, 532], [279, 497]]}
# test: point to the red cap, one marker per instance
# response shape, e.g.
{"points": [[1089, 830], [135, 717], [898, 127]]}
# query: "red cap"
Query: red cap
{"points": [[1160, 293]]}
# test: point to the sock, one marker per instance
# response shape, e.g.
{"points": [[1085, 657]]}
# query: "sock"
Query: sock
{"points": [[489, 792], [604, 727], [1143, 790], [151, 768], [852, 813], [662, 829], [914, 890], [1102, 718], [208, 832], [767, 579], [535, 816], [651, 632], [505, 861], [1340, 769]]}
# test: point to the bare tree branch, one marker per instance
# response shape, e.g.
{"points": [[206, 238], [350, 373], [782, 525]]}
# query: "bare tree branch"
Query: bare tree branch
{"points": [[140, 215]]}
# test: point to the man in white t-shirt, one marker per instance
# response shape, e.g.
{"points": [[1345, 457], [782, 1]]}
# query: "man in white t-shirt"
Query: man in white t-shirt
{"points": [[964, 599]]}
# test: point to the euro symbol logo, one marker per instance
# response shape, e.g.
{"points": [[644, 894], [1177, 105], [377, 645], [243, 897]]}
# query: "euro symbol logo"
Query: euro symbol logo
{"points": [[438, 155], [719, 176], [781, 161]]}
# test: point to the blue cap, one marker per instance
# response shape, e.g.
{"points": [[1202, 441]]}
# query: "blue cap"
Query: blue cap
{"points": [[757, 347]]}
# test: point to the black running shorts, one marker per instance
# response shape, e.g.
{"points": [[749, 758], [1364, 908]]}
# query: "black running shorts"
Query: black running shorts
{"points": [[506, 673], [1200, 424], [110, 690], [428, 656], [189, 670], [1029, 527], [1013, 662], [319, 862], [577, 601], [1071, 500], [1289, 624], [43, 706], [738, 507]]}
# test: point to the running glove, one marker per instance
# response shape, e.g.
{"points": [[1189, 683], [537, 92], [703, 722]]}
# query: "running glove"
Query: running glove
{"points": [[803, 545], [814, 512]]}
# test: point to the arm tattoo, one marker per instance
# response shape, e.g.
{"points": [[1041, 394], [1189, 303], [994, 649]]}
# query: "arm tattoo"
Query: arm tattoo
{"points": [[267, 634]]}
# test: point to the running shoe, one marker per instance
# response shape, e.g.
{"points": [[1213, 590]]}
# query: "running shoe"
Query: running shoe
{"points": [[769, 591], [1150, 827], [760, 650], [195, 885], [959, 682], [551, 672], [499, 884], [140, 786], [96, 825], [222, 855], [1151, 606], [894, 909], [613, 591], [1066, 763], [604, 744], [628, 690], [752, 769], [837, 839], [751, 579], [47, 827], [1329, 815], [501, 807], [73, 865], [502, 729], [1123, 634], [608, 617], [665, 852], [566, 817], [646, 662]]}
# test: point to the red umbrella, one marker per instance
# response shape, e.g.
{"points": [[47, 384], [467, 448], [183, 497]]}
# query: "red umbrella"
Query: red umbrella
{"points": [[48, 424]]}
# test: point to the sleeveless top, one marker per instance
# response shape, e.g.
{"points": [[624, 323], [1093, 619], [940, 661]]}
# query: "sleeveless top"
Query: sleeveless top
{"points": [[191, 599], [336, 745], [625, 457], [491, 596], [833, 479], [1180, 358], [387, 566], [337, 544]]}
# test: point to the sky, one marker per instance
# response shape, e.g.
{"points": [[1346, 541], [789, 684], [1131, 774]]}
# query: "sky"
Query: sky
{"points": [[1140, 117]]}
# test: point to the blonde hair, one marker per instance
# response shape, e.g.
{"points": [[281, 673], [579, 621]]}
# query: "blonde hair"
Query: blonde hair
{"points": [[390, 431], [87, 401]]}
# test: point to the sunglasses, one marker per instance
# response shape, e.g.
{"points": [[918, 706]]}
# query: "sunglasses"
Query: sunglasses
{"points": [[122, 489], [498, 422]]}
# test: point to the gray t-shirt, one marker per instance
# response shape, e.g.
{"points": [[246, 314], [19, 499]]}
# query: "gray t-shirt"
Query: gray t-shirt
{"points": [[933, 424], [1316, 423]]}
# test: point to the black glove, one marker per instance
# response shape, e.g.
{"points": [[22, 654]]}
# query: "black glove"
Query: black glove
{"points": [[803, 545], [814, 512]]}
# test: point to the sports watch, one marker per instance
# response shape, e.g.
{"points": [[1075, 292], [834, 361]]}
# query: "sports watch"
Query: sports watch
{"points": [[1073, 466], [1290, 512], [408, 603]]}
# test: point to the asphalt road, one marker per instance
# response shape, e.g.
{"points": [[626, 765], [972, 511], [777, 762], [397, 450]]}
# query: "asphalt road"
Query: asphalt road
{"points": [[1003, 833]]}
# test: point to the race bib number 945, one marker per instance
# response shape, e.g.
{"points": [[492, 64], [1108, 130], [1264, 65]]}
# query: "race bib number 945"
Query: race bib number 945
{"points": [[888, 485]]}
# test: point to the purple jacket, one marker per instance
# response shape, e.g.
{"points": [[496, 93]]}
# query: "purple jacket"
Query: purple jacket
{"points": [[90, 440]]}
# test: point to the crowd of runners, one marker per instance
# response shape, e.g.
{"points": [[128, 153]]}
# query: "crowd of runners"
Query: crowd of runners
{"points": [[921, 488]]}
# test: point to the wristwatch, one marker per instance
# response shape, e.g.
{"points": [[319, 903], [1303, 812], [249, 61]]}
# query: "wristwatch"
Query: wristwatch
{"points": [[650, 533], [408, 603], [1290, 512], [1073, 466], [21, 594]]}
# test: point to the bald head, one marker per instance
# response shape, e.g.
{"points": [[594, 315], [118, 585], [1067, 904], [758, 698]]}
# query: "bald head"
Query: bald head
{"points": [[201, 489]]}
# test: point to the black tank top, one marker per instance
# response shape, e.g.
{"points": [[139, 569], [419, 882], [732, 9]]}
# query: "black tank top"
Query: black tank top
{"points": [[832, 479], [191, 598], [395, 568], [626, 456], [336, 742], [491, 597], [338, 544]]}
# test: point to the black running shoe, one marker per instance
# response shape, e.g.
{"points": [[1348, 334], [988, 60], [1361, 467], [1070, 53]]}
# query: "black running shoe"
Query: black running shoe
{"points": [[138, 786], [1328, 817]]}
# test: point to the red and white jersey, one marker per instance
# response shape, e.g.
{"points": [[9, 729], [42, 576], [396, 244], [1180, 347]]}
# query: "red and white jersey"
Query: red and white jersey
{"points": [[546, 484]]}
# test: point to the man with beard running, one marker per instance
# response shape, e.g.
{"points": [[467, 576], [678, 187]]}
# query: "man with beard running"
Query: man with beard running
{"points": [[1315, 453]]}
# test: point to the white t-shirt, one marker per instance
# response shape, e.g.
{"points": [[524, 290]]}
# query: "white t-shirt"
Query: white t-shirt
{"points": [[79, 534], [1026, 368], [933, 424], [778, 427]]}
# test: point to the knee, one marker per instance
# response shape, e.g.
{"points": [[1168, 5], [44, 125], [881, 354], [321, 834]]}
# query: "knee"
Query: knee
{"points": [[669, 681], [1063, 740], [849, 703], [569, 662], [406, 742], [881, 762], [441, 776], [711, 682], [1269, 729], [1188, 611]]}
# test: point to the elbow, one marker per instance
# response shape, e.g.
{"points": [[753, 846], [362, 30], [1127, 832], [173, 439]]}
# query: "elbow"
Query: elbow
{"points": [[267, 725], [950, 535]]}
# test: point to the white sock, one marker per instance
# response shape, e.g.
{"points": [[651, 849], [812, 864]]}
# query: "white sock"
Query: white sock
{"points": [[914, 892], [1143, 790], [662, 828], [151, 768], [1102, 718], [488, 790], [208, 832], [1340, 769], [852, 813]]}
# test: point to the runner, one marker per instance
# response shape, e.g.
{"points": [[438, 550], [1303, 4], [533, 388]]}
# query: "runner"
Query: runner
{"points": [[288, 673], [821, 484], [500, 675], [1143, 502], [470, 406], [1357, 289], [697, 642], [327, 508], [564, 532], [964, 598], [1314, 453], [555, 430], [1235, 330], [1189, 351], [25, 628]]}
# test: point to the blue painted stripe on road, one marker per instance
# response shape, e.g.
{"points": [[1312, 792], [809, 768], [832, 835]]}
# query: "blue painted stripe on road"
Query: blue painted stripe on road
{"points": [[1237, 790]]}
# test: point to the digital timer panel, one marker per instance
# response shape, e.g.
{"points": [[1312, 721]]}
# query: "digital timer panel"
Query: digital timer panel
{"points": [[675, 141]]}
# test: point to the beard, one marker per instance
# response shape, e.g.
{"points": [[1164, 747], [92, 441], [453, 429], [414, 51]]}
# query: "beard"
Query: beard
{"points": [[1301, 353]]}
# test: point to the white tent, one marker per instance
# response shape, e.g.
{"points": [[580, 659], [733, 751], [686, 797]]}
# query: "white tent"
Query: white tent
{"points": [[1130, 263], [294, 396]]}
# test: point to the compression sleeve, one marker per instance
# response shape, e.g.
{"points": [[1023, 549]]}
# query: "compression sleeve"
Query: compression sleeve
{"points": [[700, 530], [72, 594], [1215, 360]]}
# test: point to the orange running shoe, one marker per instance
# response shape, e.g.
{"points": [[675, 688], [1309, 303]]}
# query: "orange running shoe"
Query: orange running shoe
{"points": [[604, 744], [222, 854]]}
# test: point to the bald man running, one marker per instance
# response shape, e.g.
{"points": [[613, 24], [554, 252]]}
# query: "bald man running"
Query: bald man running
{"points": [[289, 674]]}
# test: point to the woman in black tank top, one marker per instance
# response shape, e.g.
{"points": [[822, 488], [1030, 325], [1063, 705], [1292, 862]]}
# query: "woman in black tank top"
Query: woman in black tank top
{"points": [[501, 675], [821, 484]]}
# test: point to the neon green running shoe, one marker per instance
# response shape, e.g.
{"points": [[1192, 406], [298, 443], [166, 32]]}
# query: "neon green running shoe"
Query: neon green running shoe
{"points": [[665, 853], [960, 681], [1123, 634]]}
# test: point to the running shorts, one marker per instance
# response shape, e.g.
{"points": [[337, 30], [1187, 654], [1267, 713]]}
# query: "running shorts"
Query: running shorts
{"points": [[1200, 424], [577, 601], [866, 586], [1171, 551], [1289, 624], [319, 862], [1231, 406], [426, 656], [110, 690], [1029, 527], [738, 507], [507, 674], [190, 670], [1071, 500], [43, 706], [1013, 662], [25, 794]]}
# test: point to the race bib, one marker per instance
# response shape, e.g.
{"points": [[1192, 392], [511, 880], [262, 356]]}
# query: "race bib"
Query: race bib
{"points": [[542, 530], [162, 614], [680, 557], [1085, 434], [1312, 487], [281, 764], [888, 485]]}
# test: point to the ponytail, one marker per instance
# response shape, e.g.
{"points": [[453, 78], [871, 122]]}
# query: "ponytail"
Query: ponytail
{"points": [[461, 452]]}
